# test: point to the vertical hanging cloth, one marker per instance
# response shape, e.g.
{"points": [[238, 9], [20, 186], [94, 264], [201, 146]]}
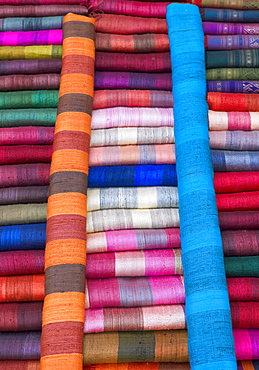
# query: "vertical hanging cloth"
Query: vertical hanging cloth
{"points": [[65, 257], [210, 336]]}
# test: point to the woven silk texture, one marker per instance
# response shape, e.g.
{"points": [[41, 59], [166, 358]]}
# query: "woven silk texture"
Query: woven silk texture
{"points": [[130, 7], [67, 205], [10, 11], [119, 264], [229, 73], [138, 264], [25, 287], [204, 301], [22, 279], [148, 10], [29, 365], [126, 223], [229, 15], [129, 67]]}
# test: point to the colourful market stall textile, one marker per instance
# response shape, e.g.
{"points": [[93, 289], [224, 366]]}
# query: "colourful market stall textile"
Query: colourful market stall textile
{"points": [[71, 147], [24, 316], [115, 71], [207, 302], [35, 365], [34, 10]]}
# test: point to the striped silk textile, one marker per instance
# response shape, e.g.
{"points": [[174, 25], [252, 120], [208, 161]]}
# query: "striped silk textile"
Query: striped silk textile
{"points": [[101, 184], [65, 256]]}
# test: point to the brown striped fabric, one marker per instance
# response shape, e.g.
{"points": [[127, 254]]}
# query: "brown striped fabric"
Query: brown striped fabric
{"points": [[65, 257], [138, 346]]}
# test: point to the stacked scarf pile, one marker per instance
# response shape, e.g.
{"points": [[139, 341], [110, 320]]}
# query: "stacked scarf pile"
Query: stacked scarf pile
{"points": [[126, 80], [134, 290], [30, 75], [226, 156], [231, 38], [134, 286]]}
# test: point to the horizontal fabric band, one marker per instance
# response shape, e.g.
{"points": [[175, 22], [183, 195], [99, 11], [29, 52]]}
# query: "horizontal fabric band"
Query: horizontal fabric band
{"points": [[30, 82], [25, 365], [229, 15], [157, 117], [20, 346], [129, 197], [231, 42], [16, 10], [22, 288], [128, 175], [123, 291], [232, 74], [245, 87], [235, 242], [30, 24], [144, 9], [12, 154], [22, 262], [28, 117], [23, 237], [23, 214], [27, 316], [219, 28], [22, 316], [123, 345], [232, 58], [126, 263], [235, 4]]}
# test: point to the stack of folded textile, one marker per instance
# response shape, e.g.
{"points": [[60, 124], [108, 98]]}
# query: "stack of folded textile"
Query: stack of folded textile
{"points": [[231, 38], [134, 289], [29, 81], [134, 292], [228, 151], [226, 203]]}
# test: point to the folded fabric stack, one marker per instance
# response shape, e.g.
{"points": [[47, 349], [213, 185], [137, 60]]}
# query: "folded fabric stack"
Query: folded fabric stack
{"points": [[231, 38], [134, 303], [228, 159], [134, 292]]}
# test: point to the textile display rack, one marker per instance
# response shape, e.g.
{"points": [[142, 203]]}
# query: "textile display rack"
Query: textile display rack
{"points": [[129, 183]]}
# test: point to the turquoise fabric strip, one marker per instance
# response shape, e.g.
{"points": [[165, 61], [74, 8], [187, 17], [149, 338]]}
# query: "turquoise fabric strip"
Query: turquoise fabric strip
{"points": [[210, 342], [30, 24]]}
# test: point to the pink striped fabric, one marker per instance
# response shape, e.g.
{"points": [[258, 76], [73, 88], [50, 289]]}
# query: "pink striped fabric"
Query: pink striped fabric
{"points": [[140, 263], [132, 98], [157, 117], [133, 239], [159, 317], [142, 291], [26, 135]]}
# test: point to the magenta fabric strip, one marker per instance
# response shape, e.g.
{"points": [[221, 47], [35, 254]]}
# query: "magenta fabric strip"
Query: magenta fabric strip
{"points": [[157, 262], [132, 80], [26, 38], [26, 135], [121, 240], [246, 343]]}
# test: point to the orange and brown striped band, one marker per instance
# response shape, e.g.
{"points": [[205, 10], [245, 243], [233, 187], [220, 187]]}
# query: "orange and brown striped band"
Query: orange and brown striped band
{"points": [[65, 257]]}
